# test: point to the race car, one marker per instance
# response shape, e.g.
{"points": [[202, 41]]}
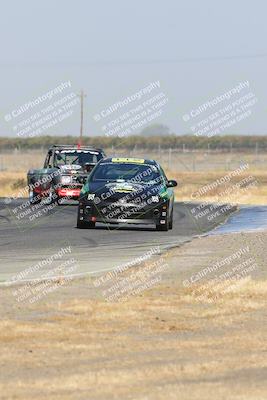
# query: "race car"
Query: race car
{"points": [[65, 170], [127, 190]]}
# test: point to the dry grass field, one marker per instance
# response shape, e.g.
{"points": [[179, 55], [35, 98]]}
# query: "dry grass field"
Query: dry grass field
{"points": [[163, 343], [191, 170]]}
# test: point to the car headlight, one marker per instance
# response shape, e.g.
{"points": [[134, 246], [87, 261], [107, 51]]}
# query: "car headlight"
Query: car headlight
{"points": [[66, 180], [155, 199]]}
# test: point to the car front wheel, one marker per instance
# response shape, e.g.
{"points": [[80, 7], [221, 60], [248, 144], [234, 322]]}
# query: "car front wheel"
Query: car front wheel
{"points": [[85, 224], [171, 221], [163, 227], [52, 196], [34, 198]]}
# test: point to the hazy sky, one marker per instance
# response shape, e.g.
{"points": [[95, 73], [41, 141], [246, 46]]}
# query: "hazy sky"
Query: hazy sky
{"points": [[112, 49]]}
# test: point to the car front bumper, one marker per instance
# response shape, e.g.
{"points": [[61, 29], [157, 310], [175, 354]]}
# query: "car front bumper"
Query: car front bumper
{"points": [[125, 213]]}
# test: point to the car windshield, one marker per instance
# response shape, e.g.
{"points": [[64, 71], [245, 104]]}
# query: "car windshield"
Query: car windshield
{"points": [[75, 157], [135, 173]]}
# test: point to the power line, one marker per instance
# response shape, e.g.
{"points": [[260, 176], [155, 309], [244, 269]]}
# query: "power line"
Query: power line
{"points": [[136, 62]]}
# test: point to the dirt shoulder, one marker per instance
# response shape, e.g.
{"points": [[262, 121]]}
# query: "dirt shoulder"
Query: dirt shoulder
{"points": [[198, 332]]}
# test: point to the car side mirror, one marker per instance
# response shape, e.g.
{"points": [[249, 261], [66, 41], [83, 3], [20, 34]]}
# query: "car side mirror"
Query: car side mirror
{"points": [[172, 183]]}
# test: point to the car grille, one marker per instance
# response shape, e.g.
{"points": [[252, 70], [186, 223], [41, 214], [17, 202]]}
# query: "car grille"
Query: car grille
{"points": [[124, 211]]}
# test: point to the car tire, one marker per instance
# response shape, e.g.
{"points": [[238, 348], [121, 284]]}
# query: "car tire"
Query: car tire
{"points": [[85, 224], [161, 227], [60, 201], [171, 221], [52, 197], [164, 227], [34, 198]]}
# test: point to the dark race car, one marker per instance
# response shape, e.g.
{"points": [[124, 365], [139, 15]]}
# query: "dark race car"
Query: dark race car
{"points": [[66, 168], [127, 190]]}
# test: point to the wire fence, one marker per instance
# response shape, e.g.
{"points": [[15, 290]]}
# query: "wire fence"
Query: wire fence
{"points": [[172, 159]]}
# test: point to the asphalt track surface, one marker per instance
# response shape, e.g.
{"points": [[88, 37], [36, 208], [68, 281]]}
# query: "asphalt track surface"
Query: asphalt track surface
{"points": [[28, 236]]}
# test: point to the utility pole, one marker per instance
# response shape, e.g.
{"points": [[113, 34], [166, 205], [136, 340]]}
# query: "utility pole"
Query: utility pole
{"points": [[82, 96]]}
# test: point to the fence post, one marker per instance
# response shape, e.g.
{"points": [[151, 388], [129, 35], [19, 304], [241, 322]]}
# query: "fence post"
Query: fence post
{"points": [[194, 163], [256, 151], [170, 157]]}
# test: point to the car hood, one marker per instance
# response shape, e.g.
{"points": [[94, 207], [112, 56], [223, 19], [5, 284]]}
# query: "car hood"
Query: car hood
{"points": [[117, 190], [75, 169]]}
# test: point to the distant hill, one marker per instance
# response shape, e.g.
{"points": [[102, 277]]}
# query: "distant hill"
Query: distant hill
{"points": [[156, 130]]}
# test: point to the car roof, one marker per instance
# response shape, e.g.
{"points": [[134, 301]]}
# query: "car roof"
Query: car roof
{"points": [[74, 147]]}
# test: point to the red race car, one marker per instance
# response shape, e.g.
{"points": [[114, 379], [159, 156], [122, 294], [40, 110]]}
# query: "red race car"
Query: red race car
{"points": [[64, 173]]}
